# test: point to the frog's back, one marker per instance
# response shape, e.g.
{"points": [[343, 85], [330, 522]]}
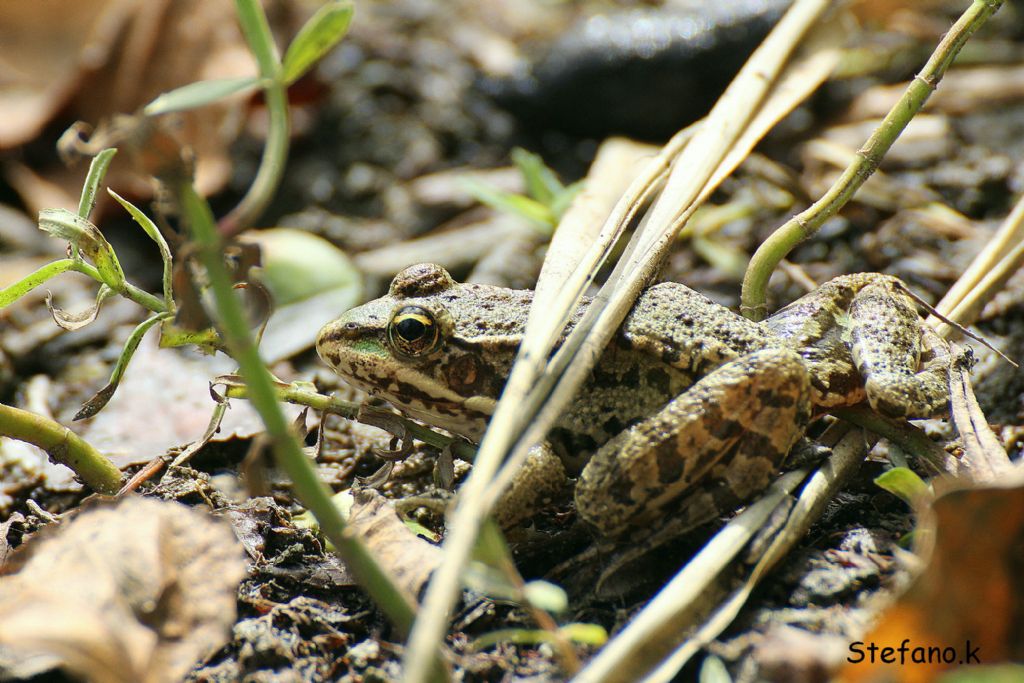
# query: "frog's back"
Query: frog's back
{"points": [[687, 330]]}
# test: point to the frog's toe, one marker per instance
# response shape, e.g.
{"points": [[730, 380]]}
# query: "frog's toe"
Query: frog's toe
{"points": [[541, 478], [905, 396]]}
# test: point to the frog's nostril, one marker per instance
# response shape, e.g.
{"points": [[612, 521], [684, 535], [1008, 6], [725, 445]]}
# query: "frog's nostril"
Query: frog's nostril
{"points": [[351, 327]]}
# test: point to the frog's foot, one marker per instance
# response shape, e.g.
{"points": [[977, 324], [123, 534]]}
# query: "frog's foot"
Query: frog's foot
{"points": [[905, 365], [541, 478], [806, 453], [731, 430]]}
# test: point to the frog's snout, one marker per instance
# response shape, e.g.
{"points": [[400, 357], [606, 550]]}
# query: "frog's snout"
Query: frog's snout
{"points": [[340, 330], [334, 337]]}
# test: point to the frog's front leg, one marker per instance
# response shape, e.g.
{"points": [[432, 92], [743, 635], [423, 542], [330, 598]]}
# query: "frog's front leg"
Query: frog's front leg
{"points": [[903, 362], [730, 430]]}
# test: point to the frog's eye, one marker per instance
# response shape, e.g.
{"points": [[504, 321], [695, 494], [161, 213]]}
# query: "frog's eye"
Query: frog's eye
{"points": [[413, 331]]}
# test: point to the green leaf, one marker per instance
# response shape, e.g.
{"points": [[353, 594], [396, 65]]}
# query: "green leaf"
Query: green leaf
{"points": [[199, 94], [83, 235], [208, 341], [342, 501], [533, 211], [491, 548], [297, 265], [97, 170], [560, 204], [541, 182], [904, 484], [422, 531], [12, 293], [154, 234], [585, 634], [103, 396], [519, 636], [547, 596], [547, 197], [491, 582], [322, 32]]}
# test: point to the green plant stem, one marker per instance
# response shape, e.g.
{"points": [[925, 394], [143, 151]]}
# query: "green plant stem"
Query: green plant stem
{"points": [[97, 171], [129, 291], [807, 223], [32, 280], [275, 152], [313, 493], [63, 445], [563, 649]]}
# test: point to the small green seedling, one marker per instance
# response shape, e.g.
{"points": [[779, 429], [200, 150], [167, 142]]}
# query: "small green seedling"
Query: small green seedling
{"points": [[546, 198]]}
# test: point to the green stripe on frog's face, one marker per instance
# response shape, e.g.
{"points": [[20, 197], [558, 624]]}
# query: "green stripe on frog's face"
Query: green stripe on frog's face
{"points": [[370, 347]]}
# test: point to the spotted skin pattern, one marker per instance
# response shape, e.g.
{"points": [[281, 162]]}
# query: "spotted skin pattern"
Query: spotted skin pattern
{"points": [[690, 408]]}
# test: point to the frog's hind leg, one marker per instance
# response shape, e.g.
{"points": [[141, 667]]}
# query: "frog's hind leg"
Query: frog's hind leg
{"points": [[727, 434], [904, 363]]}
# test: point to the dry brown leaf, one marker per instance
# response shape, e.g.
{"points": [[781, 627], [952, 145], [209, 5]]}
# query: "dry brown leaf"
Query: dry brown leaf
{"points": [[137, 592], [407, 557], [44, 47], [882, 10], [5, 529], [968, 598], [984, 459], [93, 59]]}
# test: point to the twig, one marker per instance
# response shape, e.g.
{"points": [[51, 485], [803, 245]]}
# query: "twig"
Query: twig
{"points": [[988, 272], [807, 223]]}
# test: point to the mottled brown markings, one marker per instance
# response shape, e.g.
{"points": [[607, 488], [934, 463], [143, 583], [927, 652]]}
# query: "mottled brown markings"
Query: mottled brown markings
{"points": [[411, 392], [659, 381], [463, 373], [746, 476], [671, 356], [613, 425], [335, 334], [706, 448], [770, 398], [670, 465]]}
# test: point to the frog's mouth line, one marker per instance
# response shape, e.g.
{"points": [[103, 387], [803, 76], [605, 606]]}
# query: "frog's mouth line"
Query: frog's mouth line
{"points": [[432, 403]]}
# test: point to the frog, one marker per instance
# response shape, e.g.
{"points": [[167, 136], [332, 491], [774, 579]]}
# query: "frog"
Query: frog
{"points": [[689, 408]]}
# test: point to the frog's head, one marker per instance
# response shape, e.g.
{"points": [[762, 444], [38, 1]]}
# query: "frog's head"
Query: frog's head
{"points": [[437, 350]]}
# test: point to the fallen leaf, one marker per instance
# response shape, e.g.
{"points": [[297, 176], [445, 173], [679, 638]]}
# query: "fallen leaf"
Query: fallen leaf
{"points": [[5, 530], [44, 47], [136, 592], [312, 282], [174, 384], [408, 558], [97, 58], [968, 598]]}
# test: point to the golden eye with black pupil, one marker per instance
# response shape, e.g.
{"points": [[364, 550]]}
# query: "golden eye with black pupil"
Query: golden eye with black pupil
{"points": [[413, 331]]}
